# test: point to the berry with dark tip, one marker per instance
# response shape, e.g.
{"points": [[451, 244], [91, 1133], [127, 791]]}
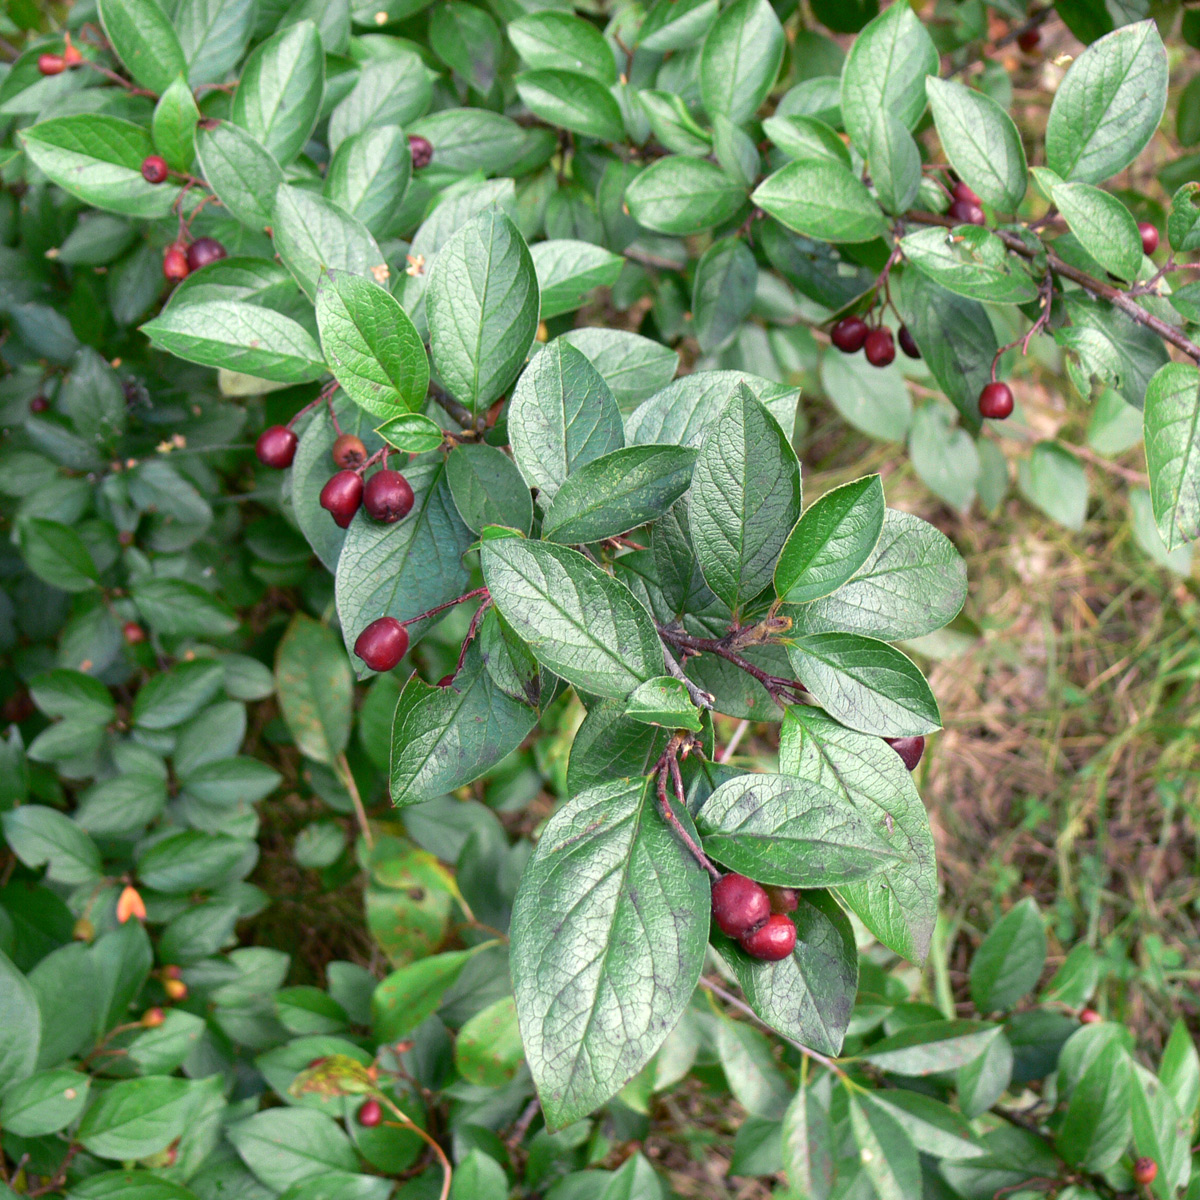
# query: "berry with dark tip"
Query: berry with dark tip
{"points": [[910, 749], [203, 251], [880, 347], [369, 1113], [341, 496], [1029, 39], [1149, 237], [965, 192], [154, 169], [387, 497], [783, 899], [349, 451], [175, 262], [773, 941], [906, 342], [39, 404], [276, 447], [382, 644], [1089, 1016], [51, 64], [739, 905], [849, 334], [421, 150], [967, 212], [1145, 1170], [134, 634], [996, 401]]}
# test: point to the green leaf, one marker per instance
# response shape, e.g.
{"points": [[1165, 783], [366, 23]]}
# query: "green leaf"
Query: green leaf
{"points": [[579, 621], [467, 40], [982, 1082], [676, 24], [1172, 435], [136, 1117], [568, 271], [673, 124], [1183, 225], [72, 695], [173, 696], [572, 101], [783, 830], [823, 199], [1104, 226], [372, 347], [20, 1025], [278, 97], [553, 39], [482, 304], [56, 553], [981, 142], [1106, 345], [1054, 479], [174, 125], [634, 367], [972, 262], [934, 1127], [315, 688], [1010, 959], [722, 291], [241, 171], [472, 139], [931, 1048], [1098, 1124], [745, 499], [390, 91], [286, 1146], [213, 34], [1160, 1132], [806, 137], [1180, 1069], [369, 175], [663, 701], [128, 1185], [98, 159], [144, 39], [561, 416], [943, 455], [408, 996], [874, 401], [681, 195], [740, 59], [609, 930], [888, 1156], [808, 1143], [617, 492], [833, 539], [44, 1103], [885, 73], [895, 163], [755, 1080], [414, 433], [239, 337], [189, 860], [488, 1050], [488, 489], [175, 607], [865, 684]]}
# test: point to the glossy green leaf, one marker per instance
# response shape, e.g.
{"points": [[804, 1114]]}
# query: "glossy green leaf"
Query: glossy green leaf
{"points": [[136, 1117], [44, 1103], [488, 1050], [174, 125], [676, 24], [20, 1024], [680, 195], [488, 489], [888, 1156], [145, 41], [315, 688], [1183, 224], [241, 171], [722, 291], [555, 39], [971, 261], [931, 1048], [572, 101], [369, 175], [945, 456], [414, 433], [821, 198], [408, 996], [569, 270], [663, 701], [1172, 433], [55, 553], [1010, 959], [740, 59], [213, 34], [286, 1146], [1104, 226], [1096, 1129], [390, 91], [467, 40], [634, 367]]}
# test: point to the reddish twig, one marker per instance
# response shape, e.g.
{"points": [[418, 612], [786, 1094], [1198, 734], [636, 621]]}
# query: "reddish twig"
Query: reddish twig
{"points": [[480, 591]]}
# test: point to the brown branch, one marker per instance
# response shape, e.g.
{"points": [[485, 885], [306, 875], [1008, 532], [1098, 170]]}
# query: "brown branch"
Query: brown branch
{"points": [[459, 412], [668, 764], [777, 687]]}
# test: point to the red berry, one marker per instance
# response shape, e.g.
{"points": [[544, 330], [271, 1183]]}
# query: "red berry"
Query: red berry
{"points": [[880, 347], [966, 212], [996, 401], [910, 749], [51, 64], [387, 497], [783, 899], [176, 989], [739, 905], [964, 191], [382, 644], [175, 262], [172, 972], [342, 495], [849, 334], [1029, 39], [134, 633], [71, 55], [369, 1113], [1149, 237], [349, 451], [1145, 1170], [39, 404], [204, 251], [152, 1018], [421, 150], [1089, 1016], [276, 447], [774, 941], [906, 342], [154, 168], [445, 681]]}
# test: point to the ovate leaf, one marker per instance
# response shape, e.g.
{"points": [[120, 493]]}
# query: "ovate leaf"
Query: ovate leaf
{"points": [[315, 688], [740, 59], [823, 199], [1172, 435], [145, 41]]}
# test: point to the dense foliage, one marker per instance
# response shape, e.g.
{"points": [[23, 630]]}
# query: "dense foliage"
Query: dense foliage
{"points": [[508, 310]]}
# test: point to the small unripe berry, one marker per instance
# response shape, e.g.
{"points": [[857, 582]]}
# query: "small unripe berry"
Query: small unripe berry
{"points": [[51, 64], [369, 1113], [421, 150], [175, 988], [783, 899], [910, 749], [967, 213], [134, 633], [1029, 39], [1089, 1016], [172, 972], [1145, 1170], [83, 930], [276, 447], [906, 342], [175, 262], [72, 56], [341, 496], [739, 905], [996, 401], [382, 644], [39, 404], [773, 941], [387, 497], [130, 904], [880, 347], [1149, 237], [349, 451], [152, 1018], [154, 168], [849, 334], [203, 251], [964, 191]]}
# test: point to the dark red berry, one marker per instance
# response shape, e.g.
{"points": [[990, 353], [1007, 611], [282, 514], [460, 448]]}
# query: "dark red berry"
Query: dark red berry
{"points": [[71, 55], [1145, 1170], [880, 347], [1089, 1016], [369, 1113], [387, 497], [1029, 39], [996, 401], [154, 168], [739, 905], [342, 495], [39, 404], [964, 191], [134, 633], [276, 447], [1149, 237], [51, 64], [966, 212], [17, 708], [421, 150], [204, 251], [125, 537], [445, 681], [783, 899], [774, 941], [175, 262], [349, 451], [382, 644], [910, 749], [849, 334], [906, 342]]}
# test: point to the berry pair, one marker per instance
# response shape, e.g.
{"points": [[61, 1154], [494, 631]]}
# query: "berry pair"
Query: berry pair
{"points": [[56, 64], [758, 919], [966, 208], [181, 259]]}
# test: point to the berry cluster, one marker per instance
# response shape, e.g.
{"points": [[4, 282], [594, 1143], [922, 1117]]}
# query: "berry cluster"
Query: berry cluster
{"points": [[756, 916], [182, 258], [56, 64]]}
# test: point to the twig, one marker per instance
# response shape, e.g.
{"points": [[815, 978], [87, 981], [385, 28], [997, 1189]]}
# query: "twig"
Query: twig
{"points": [[472, 630], [668, 763], [733, 743], [521, 1126], [459, 412], [447, 1170], [781, 690], [700, 698], [360, 813], [1036, 19], [437, 608]]}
